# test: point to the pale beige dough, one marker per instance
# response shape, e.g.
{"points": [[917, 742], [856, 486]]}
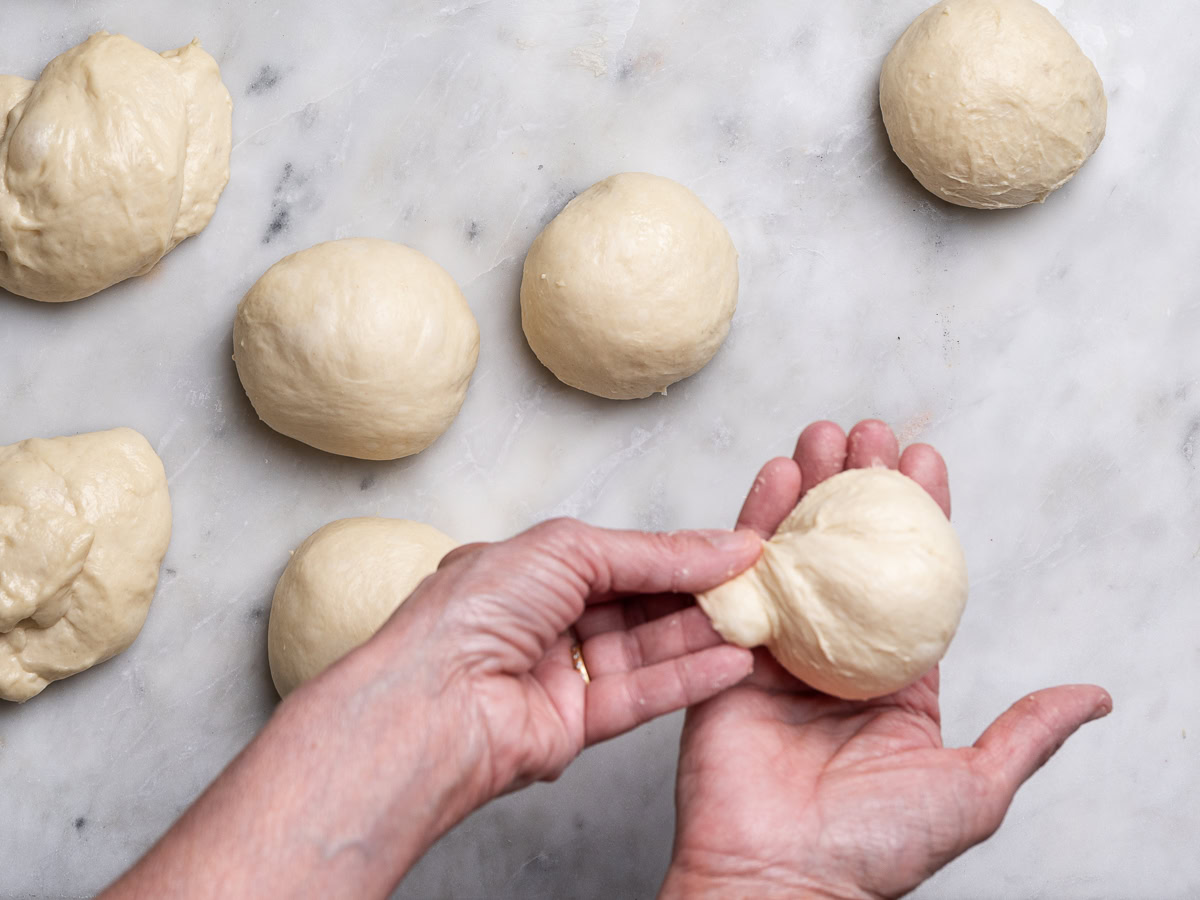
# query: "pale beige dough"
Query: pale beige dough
{"points": [[111, 158], [84, 524], [339, 588], [991, 103], [630, 288], [859, 591], [360, 347]]}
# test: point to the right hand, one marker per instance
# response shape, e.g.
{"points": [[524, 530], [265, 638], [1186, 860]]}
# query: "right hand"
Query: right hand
{"points": [[495, 624], [783, 791]]}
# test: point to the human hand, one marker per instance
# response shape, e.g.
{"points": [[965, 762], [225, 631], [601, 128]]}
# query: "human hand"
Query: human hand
{"points": [[783, 791], [467, 691], [495, 624]]}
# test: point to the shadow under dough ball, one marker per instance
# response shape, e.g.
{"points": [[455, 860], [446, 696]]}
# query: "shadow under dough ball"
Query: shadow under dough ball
{"points": [[991, 103], [858, 593], [630, 288], [340, 586], [360, 347], [84, 524], [107, 161]]}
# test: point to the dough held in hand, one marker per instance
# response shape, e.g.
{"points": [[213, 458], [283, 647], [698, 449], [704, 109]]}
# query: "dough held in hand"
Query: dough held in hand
{"points": [[339, 588], [360, 347], [84, 524], [859, 591], [111, 158], [630, 288], [991, 103]]}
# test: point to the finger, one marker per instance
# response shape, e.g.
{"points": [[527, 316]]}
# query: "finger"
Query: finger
{"points": [[931, 683], [678, 634], [775, 493], [564, 687], [920, 697], [1021, 741], [461, 552], [871, 443], [637, 562], [820, 453], [618, 703], [925, 466], [769, 675], [621, 615]]}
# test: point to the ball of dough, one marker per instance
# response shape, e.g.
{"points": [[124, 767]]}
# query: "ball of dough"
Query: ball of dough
{"points": [[111, 158], [991, 103], [630, 288], [84, 524], [859, 591], [360, 347], [341, 585]]}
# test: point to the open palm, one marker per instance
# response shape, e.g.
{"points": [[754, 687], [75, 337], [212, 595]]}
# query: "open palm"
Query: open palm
{"points": [[786, 791]]}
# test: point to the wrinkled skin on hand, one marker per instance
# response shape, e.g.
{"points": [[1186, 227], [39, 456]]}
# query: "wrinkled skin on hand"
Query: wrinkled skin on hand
{"points": [[783, 791], [466, 692], [503, 613]]}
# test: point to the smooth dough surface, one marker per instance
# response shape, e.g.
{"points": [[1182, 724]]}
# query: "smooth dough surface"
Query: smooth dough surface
{"points": [[339, 588], [859, 591], [84, 524], [360, 347], [991, 103], [111, 158], [630, 288]]}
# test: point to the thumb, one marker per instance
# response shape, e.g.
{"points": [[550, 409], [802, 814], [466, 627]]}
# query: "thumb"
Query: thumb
{"points": [[1026, 735], [638, 562]]}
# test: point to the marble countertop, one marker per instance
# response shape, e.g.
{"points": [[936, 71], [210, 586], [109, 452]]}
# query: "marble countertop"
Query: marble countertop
{"points": [[1050, 353]]}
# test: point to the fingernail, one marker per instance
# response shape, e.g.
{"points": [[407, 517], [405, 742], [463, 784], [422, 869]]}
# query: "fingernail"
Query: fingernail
{"points": [[1100, 712], [749, 666], [730, 541]]}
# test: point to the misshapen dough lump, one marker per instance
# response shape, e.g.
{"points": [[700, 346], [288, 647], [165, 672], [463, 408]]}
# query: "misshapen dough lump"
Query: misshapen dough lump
{"points": [[84, 524], [859, 591], [111, 158], [339, 588], [361, 347], [991, 103], [630, 288]]}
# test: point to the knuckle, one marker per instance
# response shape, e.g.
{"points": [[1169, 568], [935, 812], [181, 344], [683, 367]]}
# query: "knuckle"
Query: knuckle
{"points": [[570, 545], [632, 647], [561, 528], [460, 553], [635, 699]]}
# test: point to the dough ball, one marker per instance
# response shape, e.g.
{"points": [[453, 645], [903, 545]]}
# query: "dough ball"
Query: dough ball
{"points": [[360, 347], [630, 288], [111, 158], [341, 585], [859, 591], [991, 103], [84, 524]]}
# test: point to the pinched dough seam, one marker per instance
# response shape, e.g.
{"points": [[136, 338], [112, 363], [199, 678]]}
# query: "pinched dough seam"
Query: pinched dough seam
{"points": [[75, 502]]}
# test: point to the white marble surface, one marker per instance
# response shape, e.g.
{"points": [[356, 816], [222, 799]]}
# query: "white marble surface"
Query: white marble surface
{"points": [[1049, 352]]}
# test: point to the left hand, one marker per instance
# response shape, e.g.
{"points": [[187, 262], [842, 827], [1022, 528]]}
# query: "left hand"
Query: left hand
{"points": [[786, 792]]}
